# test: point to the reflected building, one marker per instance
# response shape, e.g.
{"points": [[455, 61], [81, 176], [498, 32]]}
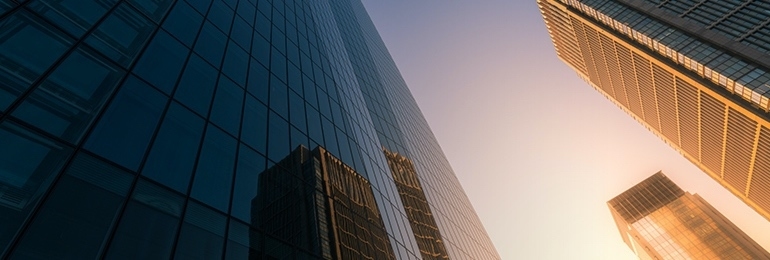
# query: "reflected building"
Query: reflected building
{"points": [[169, 129], [695, 73], [658, 220]]}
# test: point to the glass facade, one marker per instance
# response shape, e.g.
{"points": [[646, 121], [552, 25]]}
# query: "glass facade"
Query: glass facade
{"points": [[704, 94], [660, 221], [149, 129]]}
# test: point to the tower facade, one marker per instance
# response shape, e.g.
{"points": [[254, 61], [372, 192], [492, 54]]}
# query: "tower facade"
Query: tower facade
{"points": [[695, 74], [150, 129], [658, 220]]}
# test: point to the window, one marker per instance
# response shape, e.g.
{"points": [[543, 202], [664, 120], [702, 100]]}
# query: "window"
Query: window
{"points": [[250, 165], [28, 47], [216, 165], [202, 234], [196, 87], [211, 44], [228, 103], [28, 164], [236, 64], [258, 81], [121, 35], [254, 132], [242, 242], [155, 9], [74, 16], [66, 103], [183, 23], [172, 157], [278, 139], [124, 132], [162, 62], [221, 16], [75, 219]]}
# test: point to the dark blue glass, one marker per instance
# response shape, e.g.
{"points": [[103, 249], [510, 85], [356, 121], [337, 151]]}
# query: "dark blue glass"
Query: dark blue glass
{"points": [[162, 62], [254, 132], [124, 131], [278, 64], [149, 224], [196, 87], [75, 16], [278, 145], [216, 165], [278, 40], [121, 35], [211, 44], [228, 103], [314, 125], [250, 165], [183, 23], [231, 3], [28, 47], [242, 32], [75, 220], [66, 103], [279, 97], [155, 9], [330, 136], [202, 6], [260, 49], [29, 164], [295, 78], [172, 158], [298, 138], [221, 16], [242, 242], [263, 24], [259, 79], [297, 109], [310, 91], [202, 234], [236, 64], [246, 10]]}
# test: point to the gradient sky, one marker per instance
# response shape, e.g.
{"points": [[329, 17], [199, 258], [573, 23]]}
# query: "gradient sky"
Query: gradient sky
{"points": [[538, 151]]}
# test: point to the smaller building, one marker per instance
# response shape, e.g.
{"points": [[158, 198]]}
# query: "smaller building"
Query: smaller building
{"points": [[658, 220]]}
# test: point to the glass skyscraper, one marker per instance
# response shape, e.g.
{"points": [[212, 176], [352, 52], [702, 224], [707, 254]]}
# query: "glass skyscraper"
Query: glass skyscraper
{"points": [[236, 129], [658, 220], [695, 73]]}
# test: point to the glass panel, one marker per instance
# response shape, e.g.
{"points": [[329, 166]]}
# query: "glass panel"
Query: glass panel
{"points": [[28, 164], [258, 81], [155, 9], [66, 103], [183, 23], [202, 6], [221, 16], [27, 48], [236, 64], [297, 109], [162, 62], [211, 44], [254, 131], [123, 133], [228, 104], [250, 165], [75, 16], [148, 226], [214, 174], [279, 97], [278, 139], [202, 234], [242, 242], [260, 49], [242, 31], [173, 153], [196, 87], [74, 221], [122, 35]]}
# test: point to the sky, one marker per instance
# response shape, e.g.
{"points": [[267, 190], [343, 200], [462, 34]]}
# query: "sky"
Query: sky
{"points": [[538, 151]]}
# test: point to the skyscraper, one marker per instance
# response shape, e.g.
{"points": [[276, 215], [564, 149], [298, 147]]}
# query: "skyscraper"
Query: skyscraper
{"points": [[149, 129], [693, 73], [658, 220]]}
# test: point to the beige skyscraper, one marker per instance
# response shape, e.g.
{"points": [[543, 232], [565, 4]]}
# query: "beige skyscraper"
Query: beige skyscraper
{"points": [[658, 220], [695, 73]]}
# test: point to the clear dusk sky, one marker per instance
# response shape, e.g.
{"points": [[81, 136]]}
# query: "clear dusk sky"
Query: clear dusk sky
{"points": [[538, 151]]}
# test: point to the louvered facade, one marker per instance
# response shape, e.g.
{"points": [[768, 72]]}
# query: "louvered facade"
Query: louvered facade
{"points": [[702, 92]]}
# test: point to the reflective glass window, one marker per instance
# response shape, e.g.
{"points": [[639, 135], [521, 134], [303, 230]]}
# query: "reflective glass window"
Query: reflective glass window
{"points": [[242, 242], [236, 64], [155, 9], [202, 234], [278, 64], [74, 221], [28, 165], [196, 88], [125, 129], [278, 139], [27, 48], [202, 6], [279, 97], [66, 103], [214, 174], [162, 62], [149, 224], [221, 16], [250, 165], [228, 103], [121, 35], [260, 49], [259, 78], [254, 132], [172, 157], [183, 23], [263, 24], [211, 44], [297, 110], [74, 16], [242, 32]]}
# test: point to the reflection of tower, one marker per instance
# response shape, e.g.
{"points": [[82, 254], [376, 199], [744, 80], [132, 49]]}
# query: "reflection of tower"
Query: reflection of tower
{"points": [[660, 221], [416, 206], [314, 201]]}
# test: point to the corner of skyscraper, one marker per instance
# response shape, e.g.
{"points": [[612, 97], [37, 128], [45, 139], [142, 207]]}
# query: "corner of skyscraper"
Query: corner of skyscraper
{"points": [[695, 73], [217, 129]]}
